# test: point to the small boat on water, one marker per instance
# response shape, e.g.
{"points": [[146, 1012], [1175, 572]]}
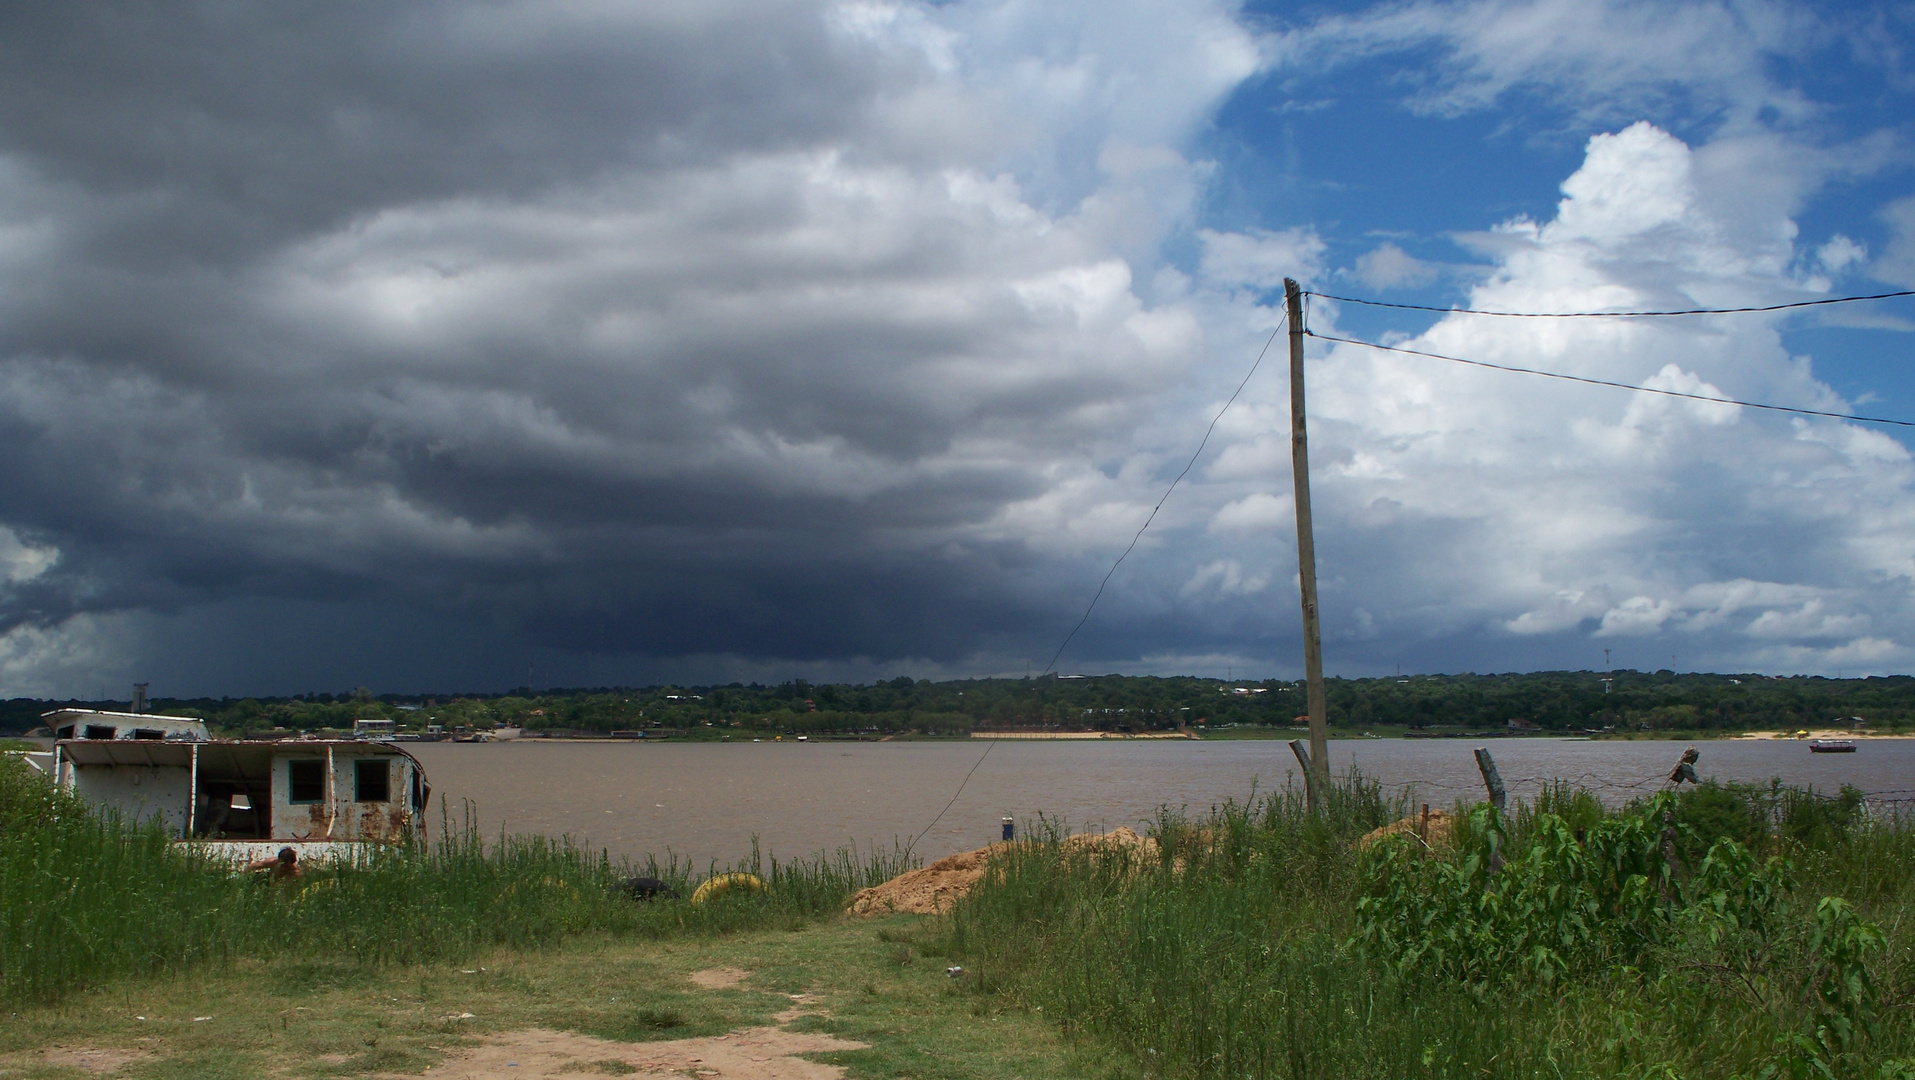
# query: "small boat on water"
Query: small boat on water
{"points": [[1832, 746], [239, 800]]}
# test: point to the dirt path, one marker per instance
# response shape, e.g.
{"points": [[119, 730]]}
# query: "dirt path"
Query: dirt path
{"points": [[761, 1053]]}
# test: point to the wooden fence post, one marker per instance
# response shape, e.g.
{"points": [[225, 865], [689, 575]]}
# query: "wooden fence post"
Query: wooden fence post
{"points": [[1309, 777], [1491, 778]]}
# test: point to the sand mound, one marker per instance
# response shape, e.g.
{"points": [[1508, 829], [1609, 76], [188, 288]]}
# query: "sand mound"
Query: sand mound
{"points": [[1121, 838], [1435, 830], [934, 888]]}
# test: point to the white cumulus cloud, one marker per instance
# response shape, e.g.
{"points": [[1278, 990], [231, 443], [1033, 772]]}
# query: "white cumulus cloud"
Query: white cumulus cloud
{"points": [[1458, 501]]}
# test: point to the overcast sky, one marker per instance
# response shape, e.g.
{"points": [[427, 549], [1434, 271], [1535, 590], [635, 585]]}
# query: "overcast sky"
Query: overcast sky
{"points": [[439, 347]]}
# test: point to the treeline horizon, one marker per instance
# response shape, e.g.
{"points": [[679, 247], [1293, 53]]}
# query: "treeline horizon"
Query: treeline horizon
{"points": [[1624, 701]]}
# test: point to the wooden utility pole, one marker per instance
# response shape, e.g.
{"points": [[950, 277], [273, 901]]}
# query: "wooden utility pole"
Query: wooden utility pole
{"points": [[1317, 775]]}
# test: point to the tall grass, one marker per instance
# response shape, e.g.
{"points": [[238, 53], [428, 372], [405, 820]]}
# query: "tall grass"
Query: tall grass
{"points": [[86, 898], [1235, 949]]}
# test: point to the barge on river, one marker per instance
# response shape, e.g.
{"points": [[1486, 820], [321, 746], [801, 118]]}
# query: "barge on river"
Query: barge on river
{"points": [[239, 799]]}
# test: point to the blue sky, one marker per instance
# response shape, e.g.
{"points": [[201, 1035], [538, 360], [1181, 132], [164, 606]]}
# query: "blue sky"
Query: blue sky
{"points": [[1332, 147], [839, 339]]}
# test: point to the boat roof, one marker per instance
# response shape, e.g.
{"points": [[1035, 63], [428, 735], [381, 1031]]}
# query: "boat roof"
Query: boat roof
{"points": [[244, 758], [140, 716]]}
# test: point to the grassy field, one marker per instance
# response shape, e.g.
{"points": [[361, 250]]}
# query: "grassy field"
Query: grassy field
{"points": [[1755, 933], [630, 1003]]}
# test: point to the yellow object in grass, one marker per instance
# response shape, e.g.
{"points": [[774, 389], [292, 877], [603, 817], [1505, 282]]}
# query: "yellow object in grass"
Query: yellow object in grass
{"points": [[720, 884]]}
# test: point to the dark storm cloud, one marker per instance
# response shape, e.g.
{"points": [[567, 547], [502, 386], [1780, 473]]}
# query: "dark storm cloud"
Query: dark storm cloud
{"points": [[348, 343], [652, 330], [253, 123]]}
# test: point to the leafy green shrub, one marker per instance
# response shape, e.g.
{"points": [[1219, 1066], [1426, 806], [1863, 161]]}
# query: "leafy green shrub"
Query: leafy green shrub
{"points": [[1239, 950], [1711, 811], [1806, 819]]}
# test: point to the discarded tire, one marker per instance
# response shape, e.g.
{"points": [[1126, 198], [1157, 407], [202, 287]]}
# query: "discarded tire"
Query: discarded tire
{"points": [[645, 888], [722, 884]]}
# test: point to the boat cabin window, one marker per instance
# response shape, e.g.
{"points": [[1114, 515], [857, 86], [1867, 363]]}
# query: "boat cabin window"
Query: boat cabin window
{"points": [[373, 781], [99, 731], [305, 781], [64, 733], [148, 733]]}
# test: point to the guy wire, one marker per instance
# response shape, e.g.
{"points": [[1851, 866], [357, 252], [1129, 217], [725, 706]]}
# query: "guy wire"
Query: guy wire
{"points": [[1120, 561]]}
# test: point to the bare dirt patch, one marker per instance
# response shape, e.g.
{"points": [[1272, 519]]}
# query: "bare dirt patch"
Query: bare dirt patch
{"points": [[805, 1004], [762, 1053], [92, 1059], [933, 889], [719, 978]]}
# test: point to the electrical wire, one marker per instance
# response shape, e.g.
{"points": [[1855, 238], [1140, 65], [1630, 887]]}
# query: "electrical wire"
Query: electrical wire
{"points": [[1120, 561], [1616, 385], [1208, 431], [1613, 314], [954, 797], [1048, 668]]}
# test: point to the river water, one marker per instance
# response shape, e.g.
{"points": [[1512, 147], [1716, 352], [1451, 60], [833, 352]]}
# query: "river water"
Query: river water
{"points": [[706, 801]]}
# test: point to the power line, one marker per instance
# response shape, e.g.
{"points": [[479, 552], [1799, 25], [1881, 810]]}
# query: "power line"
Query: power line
{"points": [[1048, 668], [954, 796], [1612, 314], [1617, 385], [1160, 502]]}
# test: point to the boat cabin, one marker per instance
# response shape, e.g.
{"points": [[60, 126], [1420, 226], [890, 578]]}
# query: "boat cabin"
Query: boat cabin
{"points": [[95, 724], [244, 800]]}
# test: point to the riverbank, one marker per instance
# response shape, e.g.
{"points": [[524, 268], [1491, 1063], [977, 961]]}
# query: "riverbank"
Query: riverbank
{"points": [[1824, 733], [1261, 939]]}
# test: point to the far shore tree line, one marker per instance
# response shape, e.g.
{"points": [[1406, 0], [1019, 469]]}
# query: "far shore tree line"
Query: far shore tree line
{"points": [[1552, 701]]}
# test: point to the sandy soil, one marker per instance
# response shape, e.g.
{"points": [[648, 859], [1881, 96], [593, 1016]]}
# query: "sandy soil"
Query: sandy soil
{"points": [[802, 1005], [764, 1053], [934, 888], [719, 978], [88, 1058], [1435, 830], [1820, 733]]}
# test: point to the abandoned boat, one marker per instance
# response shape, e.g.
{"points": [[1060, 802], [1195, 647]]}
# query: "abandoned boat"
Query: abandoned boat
{"points": [[240, 799]]}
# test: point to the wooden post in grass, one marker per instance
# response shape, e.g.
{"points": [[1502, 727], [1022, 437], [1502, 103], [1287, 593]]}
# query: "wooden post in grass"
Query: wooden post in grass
{"points": [[1491, 778], [1317, 768], [1303, 759]]}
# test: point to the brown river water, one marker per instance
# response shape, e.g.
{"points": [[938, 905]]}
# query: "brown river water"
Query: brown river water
{"points": [[705, 801]]}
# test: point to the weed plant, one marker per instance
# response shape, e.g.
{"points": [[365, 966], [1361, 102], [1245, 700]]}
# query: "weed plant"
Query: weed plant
{"points": [[86, 898], [1561, 939]]}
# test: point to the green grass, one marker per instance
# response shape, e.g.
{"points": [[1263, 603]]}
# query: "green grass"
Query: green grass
{"points": [[1240, 950], [868, 981], [85, 900]]}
